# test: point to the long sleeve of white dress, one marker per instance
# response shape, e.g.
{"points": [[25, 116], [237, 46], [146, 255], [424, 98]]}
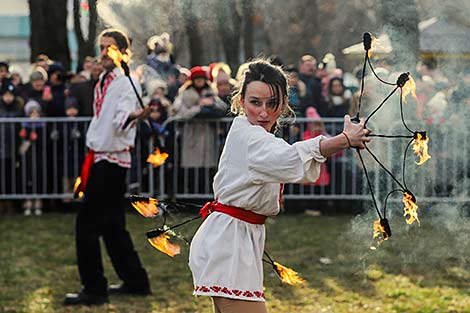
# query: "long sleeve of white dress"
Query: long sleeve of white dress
{"points": [[273, 160], [254, 163]]}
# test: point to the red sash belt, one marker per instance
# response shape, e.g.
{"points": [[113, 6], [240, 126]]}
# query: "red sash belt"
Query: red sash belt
{"points": [[241, 214]]}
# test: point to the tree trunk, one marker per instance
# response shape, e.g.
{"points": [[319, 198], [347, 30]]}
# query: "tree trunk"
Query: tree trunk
{"points": [[400, 22], [248, 29], [193, 33], [86, 47], [48, 23], [229, 29]]}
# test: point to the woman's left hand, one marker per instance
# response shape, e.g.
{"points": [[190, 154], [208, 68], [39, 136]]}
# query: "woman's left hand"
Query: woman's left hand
{"points": [[357, 134]]}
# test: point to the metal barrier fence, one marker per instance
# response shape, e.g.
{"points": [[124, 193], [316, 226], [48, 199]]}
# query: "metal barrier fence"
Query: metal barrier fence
{"points": [[41, 158]]}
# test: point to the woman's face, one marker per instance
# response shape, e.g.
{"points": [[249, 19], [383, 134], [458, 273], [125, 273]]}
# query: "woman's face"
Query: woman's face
{"points": [[258, 104], [337, 88], [38, 85]]}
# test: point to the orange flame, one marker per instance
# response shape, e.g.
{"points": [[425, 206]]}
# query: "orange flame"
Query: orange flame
{"points": [[374, 43], [146, 208], [162, 244], [76, 185], [420, 148], [117, 56], [157, 158], [379, 230], [288, 275], [409, 87], [410, 209]]}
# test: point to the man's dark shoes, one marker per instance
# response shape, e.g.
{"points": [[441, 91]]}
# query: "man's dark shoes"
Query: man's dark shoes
{"points": [[83, 298], [123, 289]]}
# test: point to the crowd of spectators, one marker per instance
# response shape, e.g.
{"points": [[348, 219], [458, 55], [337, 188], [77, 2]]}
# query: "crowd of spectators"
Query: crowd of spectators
{"points": [[317, 89]]}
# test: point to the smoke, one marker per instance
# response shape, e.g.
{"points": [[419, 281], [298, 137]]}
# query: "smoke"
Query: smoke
{"points": [[441, 185]]}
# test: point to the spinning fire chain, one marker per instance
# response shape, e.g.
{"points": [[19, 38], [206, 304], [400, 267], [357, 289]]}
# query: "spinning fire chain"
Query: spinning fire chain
{"points": [[419, 139]]}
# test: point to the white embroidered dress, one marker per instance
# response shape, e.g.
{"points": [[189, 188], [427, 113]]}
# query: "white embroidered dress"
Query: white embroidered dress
{"points": [[226, 253], [106, 134]]}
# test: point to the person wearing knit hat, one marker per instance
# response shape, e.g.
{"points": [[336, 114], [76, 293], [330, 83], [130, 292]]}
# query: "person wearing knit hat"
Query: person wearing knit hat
{"points": [[196, 72], [197, 99], [7, 86], [38, 74], [32, 107], [32, 134], [10, 104], [184, 74]]}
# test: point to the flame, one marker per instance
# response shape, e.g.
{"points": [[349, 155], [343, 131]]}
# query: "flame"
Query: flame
{"points": [[117, 56], [411, 209], [420, 148], [76, 185], [374, 43], [162, 244], [157, 158], [409, 87], [146, 208], [288, 275], [379, 230], [379, 233]]}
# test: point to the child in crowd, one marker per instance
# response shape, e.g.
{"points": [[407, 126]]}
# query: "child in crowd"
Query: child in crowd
{"points": [[31, 134]]}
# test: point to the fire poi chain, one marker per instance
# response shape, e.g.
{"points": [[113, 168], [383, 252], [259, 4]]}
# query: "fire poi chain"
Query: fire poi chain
{"points": [[419, 139]]}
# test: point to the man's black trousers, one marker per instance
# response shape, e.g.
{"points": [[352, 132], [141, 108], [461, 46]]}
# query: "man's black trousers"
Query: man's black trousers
{"points": [[102, 215]]}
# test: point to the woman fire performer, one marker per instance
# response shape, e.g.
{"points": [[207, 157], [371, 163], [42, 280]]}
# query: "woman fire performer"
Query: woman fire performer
{"points": [[226, 252]]}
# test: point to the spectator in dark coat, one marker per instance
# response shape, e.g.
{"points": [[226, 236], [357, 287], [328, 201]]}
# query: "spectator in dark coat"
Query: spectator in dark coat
{"points": [[36, 89], [10, 106], [307, 71]]}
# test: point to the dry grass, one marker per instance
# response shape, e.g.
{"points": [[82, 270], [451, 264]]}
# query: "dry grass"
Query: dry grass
{"points": [[418, 270]]}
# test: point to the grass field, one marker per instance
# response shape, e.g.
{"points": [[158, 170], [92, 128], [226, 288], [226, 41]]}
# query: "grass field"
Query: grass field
{"points": [[420, 269]]}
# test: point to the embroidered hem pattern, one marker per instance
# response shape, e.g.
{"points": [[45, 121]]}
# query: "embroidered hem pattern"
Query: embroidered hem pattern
{"points": [[218, 291]]}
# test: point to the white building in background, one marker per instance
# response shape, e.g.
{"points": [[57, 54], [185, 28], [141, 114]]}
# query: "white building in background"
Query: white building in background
{"points": [[15, 32]]}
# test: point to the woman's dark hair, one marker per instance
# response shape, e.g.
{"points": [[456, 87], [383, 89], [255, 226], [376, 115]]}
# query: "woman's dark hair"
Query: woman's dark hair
{"points": [[121, 38], [263, 71], [330, 85]]}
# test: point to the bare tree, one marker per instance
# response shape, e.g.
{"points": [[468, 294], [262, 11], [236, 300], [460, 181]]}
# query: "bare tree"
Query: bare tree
{"points": [[248, 36], [193, 33], [229, 21], [86, 47], [48, 23]]}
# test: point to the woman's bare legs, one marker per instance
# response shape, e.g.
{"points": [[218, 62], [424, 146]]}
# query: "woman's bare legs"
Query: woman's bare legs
{"points": [[226, 305]]}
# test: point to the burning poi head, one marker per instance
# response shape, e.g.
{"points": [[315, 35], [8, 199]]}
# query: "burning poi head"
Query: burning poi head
{"points": [[288, 275], [146, 206], [409, 87], [159, 240], [157, 158], [120, 59], [78, 193], [411, 208], [382, 227], [420, 146]]}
